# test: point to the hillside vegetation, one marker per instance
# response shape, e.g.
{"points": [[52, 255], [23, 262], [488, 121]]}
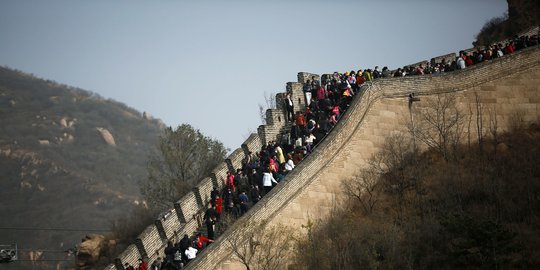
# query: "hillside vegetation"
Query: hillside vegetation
{"points": [[476, 208], [522, 14], [69, 159]]}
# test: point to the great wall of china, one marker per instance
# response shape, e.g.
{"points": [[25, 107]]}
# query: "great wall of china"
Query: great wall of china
{"points": [[508, 87]]}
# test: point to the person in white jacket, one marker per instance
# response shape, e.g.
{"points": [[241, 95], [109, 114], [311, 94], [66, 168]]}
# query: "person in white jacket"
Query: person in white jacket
{"points": [[289, 166], [267, 180], [191, 253]]}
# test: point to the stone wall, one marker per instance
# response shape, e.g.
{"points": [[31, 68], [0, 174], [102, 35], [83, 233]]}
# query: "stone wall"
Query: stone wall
{"points": [[506, 87], [509, 85], [186, 215]]}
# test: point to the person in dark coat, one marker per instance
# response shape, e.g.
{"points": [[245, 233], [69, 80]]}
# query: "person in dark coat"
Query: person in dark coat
{"points": [[169, 254], [211, 227], [183, 245]]}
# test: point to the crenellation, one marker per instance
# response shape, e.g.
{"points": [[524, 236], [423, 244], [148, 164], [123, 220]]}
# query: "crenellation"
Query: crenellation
{"points": [[161, 230], [189, 205], [151, 242], [180, 214], [230, 166], [140, 247], [236, 158], [304, 76], [280, 101], [297, 95], [275, 118], [221, 173], [215, 181], [448, 58], [205, 187], [130, 255], [198, 196]]}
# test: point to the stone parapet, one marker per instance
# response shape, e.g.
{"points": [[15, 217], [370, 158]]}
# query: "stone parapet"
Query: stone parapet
{"points": [[185, 216]]}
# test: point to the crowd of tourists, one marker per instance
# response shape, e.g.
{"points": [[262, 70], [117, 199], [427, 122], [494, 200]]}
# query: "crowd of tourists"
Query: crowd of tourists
{"points": [[327, 99]]}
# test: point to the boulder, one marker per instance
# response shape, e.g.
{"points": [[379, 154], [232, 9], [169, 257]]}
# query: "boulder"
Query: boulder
{"points": [[63, 122], [92, 246], [107, 136], [54, 99], [44, 142], [26, 184]]}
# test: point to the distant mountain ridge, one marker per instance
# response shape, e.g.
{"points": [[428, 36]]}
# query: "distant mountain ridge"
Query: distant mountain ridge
{"points": [[68, 159]]}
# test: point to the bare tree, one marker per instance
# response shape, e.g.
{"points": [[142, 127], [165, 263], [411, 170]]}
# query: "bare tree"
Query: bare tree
{"points": [[479, 122], [270, 99], [270, 103], [262, 114], [440, 124], [363, 187], [261, 247], [393, 169]]}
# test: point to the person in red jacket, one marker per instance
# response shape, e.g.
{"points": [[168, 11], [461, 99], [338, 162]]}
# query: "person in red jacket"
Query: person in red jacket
{"points": [[230, 181], [200, 240], [219, 207], [142, 265], [300, 120]]}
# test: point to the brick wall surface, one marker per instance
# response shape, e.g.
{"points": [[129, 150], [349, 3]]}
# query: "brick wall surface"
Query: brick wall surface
{"points": [[236, 158], [221, 174], [297, 96], [189, 205], [205, 187], [448, 58], [130, 255], [418, 64], [253, 143], [151, 241], [508, 85], [171, 224], [280, 101], [304, 76]]}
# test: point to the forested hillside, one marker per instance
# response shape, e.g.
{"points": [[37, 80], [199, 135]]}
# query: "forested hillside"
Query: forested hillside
{"points": [[477, 209], [68, 159]]}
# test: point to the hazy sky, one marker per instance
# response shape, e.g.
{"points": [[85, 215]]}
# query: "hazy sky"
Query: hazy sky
{"points": [[210, 63]]}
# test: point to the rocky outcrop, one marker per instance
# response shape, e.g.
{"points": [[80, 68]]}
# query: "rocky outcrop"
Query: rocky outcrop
{"points": [[66, 123], [63, 122], [25, 184], [44, 142], [92, 246], [107, 136]]}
